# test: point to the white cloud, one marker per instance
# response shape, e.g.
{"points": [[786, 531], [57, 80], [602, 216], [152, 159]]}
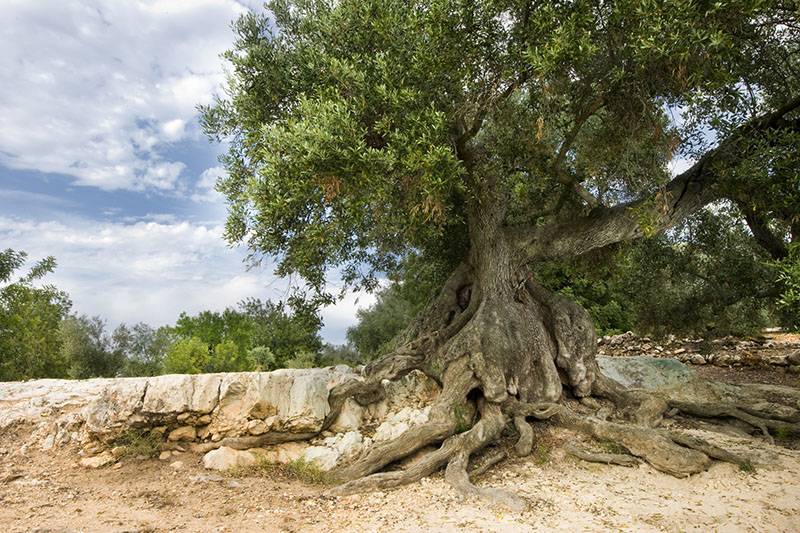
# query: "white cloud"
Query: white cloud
{"points": [[98, 89], [150, 270], [204, 187]]}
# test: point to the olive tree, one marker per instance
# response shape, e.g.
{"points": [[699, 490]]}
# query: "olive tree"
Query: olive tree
{"points": [[489, 136]]}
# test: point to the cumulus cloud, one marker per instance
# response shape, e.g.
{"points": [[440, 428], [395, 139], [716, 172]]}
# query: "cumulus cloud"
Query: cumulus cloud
{"points": [[98, 89], [204, 187], [152, 269]]}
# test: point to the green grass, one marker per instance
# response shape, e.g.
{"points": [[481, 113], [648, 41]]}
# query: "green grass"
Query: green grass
{"points": [[541, 453], [748, 467], [296, 470], [135, 443]]}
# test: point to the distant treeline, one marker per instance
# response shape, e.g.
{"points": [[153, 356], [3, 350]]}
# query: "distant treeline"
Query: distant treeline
{"points": [[40, 336]]}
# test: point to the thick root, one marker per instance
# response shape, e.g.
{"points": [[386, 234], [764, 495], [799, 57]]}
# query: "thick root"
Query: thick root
{"points": [[524, 444], [245, 443], [719, 410], [450, 411], [655, 447], [486, 430], [605, 458]]}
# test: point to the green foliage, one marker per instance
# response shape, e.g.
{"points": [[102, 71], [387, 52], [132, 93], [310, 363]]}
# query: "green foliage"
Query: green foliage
{"points": [[590, 283], [789, 278], [706, 277], [29, 320], [262, 357], [379, 323], [358, 131], [87, 348], [344, 354], [139, 443], [255, 335], [187, 356], [301, 359], [142, 347]]}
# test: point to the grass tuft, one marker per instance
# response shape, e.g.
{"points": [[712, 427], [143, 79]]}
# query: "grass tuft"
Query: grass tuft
{"points": [[135, 442], [297, 470]]}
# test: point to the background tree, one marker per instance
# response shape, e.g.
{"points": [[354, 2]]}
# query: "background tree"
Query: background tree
{"points": [[187, 356], [142, 348], [29, 320], [87, 348], [491, 136]]}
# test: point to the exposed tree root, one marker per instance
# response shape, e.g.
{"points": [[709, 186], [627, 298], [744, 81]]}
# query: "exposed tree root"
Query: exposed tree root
{"points": [[516, 356], [719, 410], [245, 443], [524, 444], [487, 463], [597, 457]]}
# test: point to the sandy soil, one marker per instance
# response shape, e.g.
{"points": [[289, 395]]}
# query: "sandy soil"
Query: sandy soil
{"points": [[46, 492]]}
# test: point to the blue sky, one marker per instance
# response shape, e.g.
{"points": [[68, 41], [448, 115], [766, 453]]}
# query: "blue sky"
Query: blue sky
{"points": [[102, 163]]}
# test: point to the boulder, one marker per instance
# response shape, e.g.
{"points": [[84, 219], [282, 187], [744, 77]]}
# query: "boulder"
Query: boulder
{"points": [[324, 457], [185, 433], [400, 422], [225, 458], [646, 372], [350, 418], [793, 358]]}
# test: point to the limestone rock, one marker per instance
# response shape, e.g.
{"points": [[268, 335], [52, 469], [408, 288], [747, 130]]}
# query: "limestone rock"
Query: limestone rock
{"points": [[283, 453], [171, 394], [646, 372], [225, 458], [184, 433], [257, 427], [322, 456], [400, 422], [350, 417]]}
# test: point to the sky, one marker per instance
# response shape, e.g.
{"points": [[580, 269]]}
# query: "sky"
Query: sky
{"points": [[103, 164]]}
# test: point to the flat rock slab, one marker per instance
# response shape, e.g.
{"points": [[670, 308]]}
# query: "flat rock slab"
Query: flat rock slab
{"points": [[647, 372]]}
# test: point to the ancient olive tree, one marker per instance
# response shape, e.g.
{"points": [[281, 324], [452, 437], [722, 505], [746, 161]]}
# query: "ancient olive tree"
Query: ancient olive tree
{"points": [[488, 136]]}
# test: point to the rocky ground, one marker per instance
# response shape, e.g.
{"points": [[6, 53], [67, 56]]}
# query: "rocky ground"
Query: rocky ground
{"points": [[46, 492], [60, 470], [773, 358]]}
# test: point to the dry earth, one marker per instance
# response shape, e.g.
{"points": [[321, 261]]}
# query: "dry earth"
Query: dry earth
{"points": [[49, 492]]}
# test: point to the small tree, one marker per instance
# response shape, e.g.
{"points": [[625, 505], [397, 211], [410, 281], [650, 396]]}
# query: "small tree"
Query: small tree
{"points": [[86, 348], [187, 356], [29, 320]]}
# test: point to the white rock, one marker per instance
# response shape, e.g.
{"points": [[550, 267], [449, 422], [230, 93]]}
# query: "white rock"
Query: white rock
{"points": [[324, 457], [180, 393], [177, 465], [166, 454], [350, 417], [225, 458], [283, 453], [400, 422]]}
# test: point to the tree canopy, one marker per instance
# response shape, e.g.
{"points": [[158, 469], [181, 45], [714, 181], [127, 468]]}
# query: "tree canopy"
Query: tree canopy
{"points": [[364, 131]]}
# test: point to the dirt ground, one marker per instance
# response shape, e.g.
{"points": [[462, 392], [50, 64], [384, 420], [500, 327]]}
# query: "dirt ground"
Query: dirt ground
{"points": [[46, 492]]}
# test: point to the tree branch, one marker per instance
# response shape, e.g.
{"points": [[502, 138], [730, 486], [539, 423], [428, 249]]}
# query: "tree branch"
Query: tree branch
{"points": [[685, 194]]}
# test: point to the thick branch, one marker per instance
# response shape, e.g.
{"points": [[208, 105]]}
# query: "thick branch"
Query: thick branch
{"points": [[684, 195]]}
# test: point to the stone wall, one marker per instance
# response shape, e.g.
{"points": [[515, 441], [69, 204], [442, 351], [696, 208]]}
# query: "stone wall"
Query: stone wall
{"points": [[198, 412]]}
